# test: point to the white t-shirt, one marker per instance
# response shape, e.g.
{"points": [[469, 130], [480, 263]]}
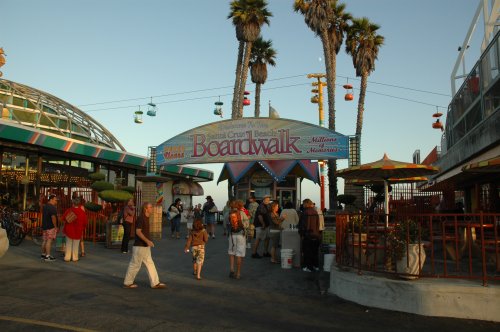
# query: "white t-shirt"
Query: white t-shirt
{"points": [[291, 218]]}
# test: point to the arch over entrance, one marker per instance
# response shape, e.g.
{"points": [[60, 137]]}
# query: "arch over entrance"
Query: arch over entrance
{"points": [[253, 139]]}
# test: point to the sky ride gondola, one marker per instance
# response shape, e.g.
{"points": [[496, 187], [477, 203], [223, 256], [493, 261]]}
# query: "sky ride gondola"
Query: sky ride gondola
{"points": [[138, 116], [218, 108], [349, 96], [151, 108]]}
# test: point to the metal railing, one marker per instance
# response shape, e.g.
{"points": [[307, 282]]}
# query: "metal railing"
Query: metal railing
{"points": [[95, 230], [459, 246]]}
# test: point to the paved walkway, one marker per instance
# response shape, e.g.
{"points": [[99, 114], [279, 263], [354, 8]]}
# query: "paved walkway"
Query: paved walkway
{"points": [[87, 295]]}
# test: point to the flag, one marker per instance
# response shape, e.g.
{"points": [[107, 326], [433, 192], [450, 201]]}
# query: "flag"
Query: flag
{"points": [[273, 114]]}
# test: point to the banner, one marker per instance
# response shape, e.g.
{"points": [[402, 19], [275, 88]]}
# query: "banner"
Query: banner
{"points": [[250, 139]]}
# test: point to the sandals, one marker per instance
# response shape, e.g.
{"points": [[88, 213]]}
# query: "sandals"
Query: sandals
{"points": [[130, 286], [82, 254], [159, 285], [198, 278]]}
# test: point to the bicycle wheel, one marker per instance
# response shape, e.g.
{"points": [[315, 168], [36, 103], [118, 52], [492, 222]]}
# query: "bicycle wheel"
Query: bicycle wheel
{"points": [[16, 236]]}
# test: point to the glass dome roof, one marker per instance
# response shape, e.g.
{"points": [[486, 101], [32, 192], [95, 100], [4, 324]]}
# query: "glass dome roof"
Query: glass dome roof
{"points": [[34, 108]]}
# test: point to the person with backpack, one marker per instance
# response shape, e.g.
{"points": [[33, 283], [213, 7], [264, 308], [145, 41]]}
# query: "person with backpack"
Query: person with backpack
{"points": [[197, 240], [75, 221], [126, 219], [237, 242]]}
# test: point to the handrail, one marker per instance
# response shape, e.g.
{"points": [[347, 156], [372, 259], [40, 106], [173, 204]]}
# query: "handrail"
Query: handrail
{"points": [[456, 246]]}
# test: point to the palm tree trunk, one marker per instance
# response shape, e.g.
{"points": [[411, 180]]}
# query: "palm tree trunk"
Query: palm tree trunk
{"points": [[236, 92], [244, 76], [257, 100], [361, 103], [330, 84]]}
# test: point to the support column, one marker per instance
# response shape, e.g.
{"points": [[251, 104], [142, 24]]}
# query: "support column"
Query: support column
{"points": [[149, 194]]}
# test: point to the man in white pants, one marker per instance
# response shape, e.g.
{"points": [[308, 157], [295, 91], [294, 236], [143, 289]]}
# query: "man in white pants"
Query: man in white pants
{"points": [[141, 252]]}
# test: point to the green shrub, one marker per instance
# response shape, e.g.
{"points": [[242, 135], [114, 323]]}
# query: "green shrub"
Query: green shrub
{"points": [[128, 189], [346, 199], [91, 206], [97, 176], [101, 185], [115, 196]]}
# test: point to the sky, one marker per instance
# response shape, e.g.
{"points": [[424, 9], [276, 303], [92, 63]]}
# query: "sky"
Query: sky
{"points": [[111, 57]]}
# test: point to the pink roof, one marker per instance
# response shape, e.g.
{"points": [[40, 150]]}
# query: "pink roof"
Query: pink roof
{"points": [[278, 169]]}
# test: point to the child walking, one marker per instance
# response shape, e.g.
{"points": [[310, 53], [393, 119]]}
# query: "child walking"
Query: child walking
{"points": [[197, 239]]}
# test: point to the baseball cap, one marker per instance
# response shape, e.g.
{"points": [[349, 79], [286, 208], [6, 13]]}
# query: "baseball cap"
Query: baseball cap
{"points": [[51, 196]]}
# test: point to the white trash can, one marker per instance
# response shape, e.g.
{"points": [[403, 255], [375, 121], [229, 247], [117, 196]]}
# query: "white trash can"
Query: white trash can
{"points": [[286, 258]]}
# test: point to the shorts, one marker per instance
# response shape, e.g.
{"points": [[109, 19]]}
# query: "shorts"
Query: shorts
{"points": [[210, 218], [198, 254], [175, 225], [237, 245], [261, 233], [49, 234]]}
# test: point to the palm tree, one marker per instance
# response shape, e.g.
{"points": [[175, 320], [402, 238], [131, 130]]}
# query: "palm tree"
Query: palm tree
{"points": [[248, 17], [262, 54], [339, 22], [328, 20], [363, 44], [338, 25], [316, 16]]}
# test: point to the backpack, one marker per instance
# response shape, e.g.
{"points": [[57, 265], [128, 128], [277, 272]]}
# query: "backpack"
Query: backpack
{"points": [[213, 209], [237, 226], [172, 214]]}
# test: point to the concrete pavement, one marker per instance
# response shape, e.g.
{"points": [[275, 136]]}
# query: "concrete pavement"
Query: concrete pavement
{"points": [[87, 295]]}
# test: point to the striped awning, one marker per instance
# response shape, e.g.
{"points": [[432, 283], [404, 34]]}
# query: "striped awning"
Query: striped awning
{"points": [[23, 134], [485, 166]]}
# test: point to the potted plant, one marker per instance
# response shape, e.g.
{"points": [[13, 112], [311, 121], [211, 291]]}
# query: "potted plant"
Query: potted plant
{"points": [[107, 192], [407, 249], [356, 233], [347, 200]]}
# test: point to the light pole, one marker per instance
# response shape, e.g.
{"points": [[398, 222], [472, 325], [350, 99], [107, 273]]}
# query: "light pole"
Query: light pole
{"points": [[318, 99]]}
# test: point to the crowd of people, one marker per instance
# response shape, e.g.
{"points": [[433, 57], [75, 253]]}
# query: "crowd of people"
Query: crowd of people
{"points": [[246, 225]]}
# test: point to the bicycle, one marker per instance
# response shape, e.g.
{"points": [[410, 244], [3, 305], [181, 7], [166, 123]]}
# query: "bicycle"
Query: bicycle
{"points": [[10, 221], [32, 230], [18, 228]]}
